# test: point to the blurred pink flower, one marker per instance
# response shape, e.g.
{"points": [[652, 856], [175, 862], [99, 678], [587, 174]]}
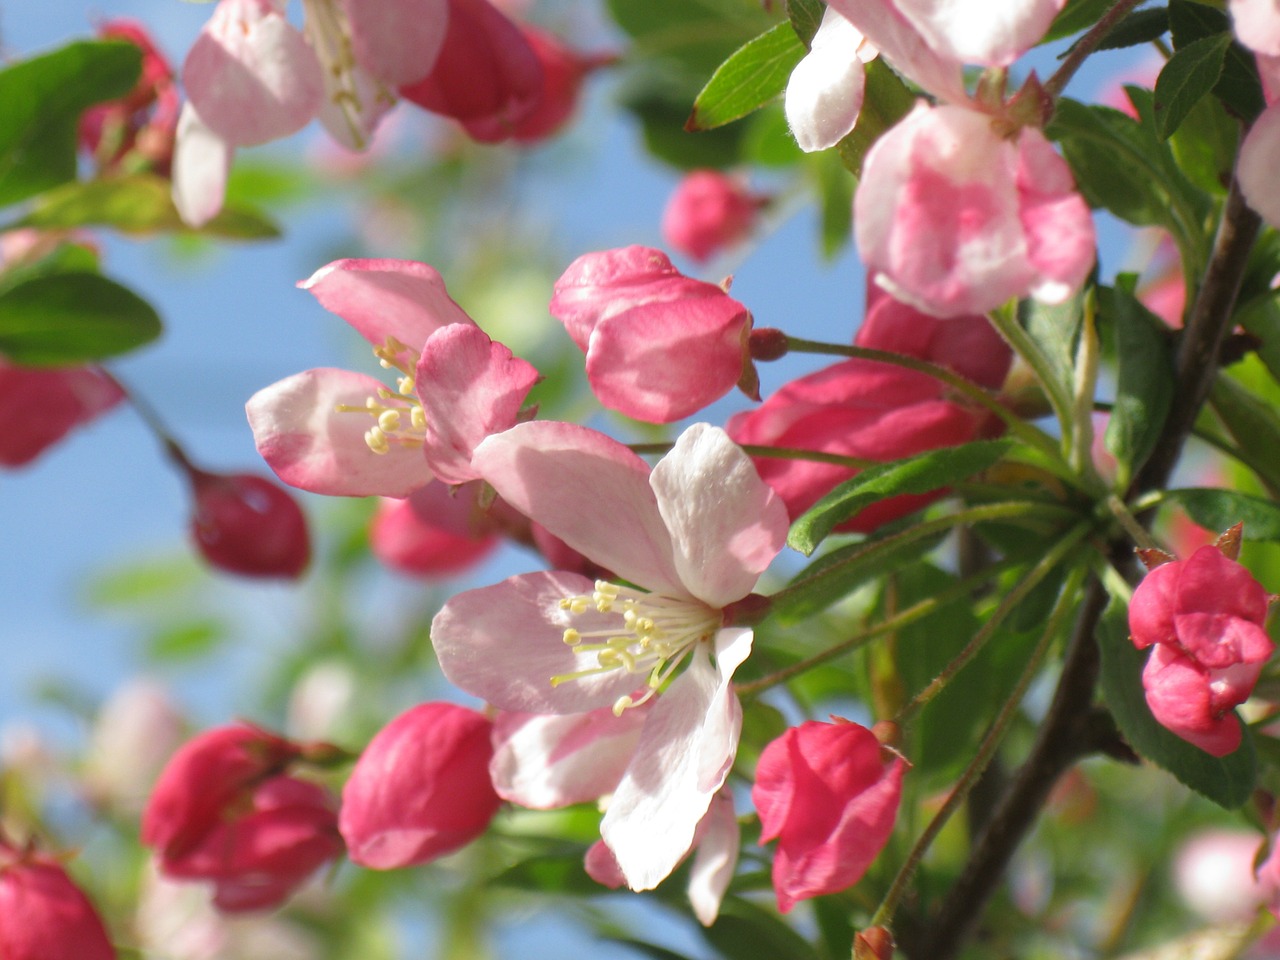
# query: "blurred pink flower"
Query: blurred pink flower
{"points": [[248, 525], [709, 212], [563, 71], [43, 914], [829, 793], [660, 346], [38, 407]]}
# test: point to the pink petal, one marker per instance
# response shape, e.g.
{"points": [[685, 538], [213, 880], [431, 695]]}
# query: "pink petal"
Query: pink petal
{"points": [[313, 447], [1257, 24], [432, 532], [386, 298], [1180, 699], [40, 407], [470, 387], [824, 93], [504, 643], [715, 858], [656, 809], [588, 490], [46, 914], [726, 523], [251, 74], [354, 105], [544, 762], [890, 32], [708, 212], [1153, 606], [398, 41], [978, 31], [1060, 233], [1256, 166], [1217, 641], [1210, 582], [201, 164]]}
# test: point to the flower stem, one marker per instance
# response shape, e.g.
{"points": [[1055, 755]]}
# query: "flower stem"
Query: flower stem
{"points": [[986, 749], [1085, 46], [152, 420]]}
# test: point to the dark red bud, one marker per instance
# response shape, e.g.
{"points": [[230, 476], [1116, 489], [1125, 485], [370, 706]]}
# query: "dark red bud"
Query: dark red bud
{"points": [[874, 943], [248, 525], [767, 343]]}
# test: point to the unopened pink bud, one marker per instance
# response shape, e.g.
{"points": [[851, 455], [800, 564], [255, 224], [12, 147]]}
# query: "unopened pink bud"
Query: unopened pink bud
{"points": [[708, 213], [434, 532], [43, 914], [767, 343], [248, 525], [421, 788]]}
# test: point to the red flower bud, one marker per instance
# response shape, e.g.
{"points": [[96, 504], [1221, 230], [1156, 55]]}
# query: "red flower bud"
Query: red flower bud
{"points": [[709, 212], [248, 525], [43, 915], [421, 788]]}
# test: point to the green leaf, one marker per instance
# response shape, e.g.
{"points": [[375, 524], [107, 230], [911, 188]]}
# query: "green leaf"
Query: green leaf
{"points": [[41, 100], [886, 101], [139, 204], [1144, 387], [1205, 145], [1252, 423], [756, 74], [648, 949], [662, 108], [806, 17], [922, 473], [835, 192], [186, 641], [70, 318], [744, 931], [1190, 74], [1055, 328], [1227, 781], [1141, 26], [1239, 87], [1218, 510], [1077, 15], [697, 35], [1261, 317]]}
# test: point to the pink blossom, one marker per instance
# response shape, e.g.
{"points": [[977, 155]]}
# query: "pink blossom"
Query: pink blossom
{"points": [[825, 90], [1213, 873], [249, 525], [660, 346], [225, 811], [433, 532], [1204, 618], [1256, 165], [488, 76], [43, 914], [875, 411], [709, 212], [829, 794], [1257, 24], [693, 536], [38, 407], [563, 71], [347, 434], [421, 788], [958, 219]]}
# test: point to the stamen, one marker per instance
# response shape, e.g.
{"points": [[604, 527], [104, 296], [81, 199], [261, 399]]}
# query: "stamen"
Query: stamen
{"points": [[391, 409]]}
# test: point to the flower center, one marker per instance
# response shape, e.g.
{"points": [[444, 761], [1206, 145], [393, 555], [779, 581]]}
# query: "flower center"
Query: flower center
{"points": [[655, 636], [398, 417]]}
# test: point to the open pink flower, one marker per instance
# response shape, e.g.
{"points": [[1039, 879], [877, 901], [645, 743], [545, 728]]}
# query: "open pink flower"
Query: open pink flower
{"points": [[38, 407], [43, 914], [829, 794], [421, 788], [347, 434], [660, 346], [693, 536], [1204, 618], [224, 810], [709, 212]]}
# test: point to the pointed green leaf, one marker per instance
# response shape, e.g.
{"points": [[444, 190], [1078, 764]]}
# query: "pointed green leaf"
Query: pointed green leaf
{"points": [[919, 474], [1141, 26], [1252, 423], [70, 318], [1238, 86], [1189, 75], [806, 17], [1227, 781], [41, 100], [756, 74], [1077, 15], [1217, 510]]}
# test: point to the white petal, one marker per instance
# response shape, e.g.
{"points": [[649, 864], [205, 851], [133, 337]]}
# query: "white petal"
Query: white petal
{"points": [[715, 859], [201, 162], [824, 93]]}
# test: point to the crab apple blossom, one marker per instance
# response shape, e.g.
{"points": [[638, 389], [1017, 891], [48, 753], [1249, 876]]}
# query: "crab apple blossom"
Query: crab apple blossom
{"points": [[421, 788], [825, 90], [43, 914], [829, 793], [225, 811], [433, 532], [249, 525], [1204, 618], [709, 212], [488, 76], [343, 433], [563, 72], [685, 541], [958, 218], [660, 346], [38, 407]]}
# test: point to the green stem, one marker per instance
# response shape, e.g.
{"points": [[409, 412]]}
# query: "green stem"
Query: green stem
{"points": [[1085, 46], [1006, 606], [1006, 323], [986, 749], [1015, 424], [1136, 531], [904, 618]]}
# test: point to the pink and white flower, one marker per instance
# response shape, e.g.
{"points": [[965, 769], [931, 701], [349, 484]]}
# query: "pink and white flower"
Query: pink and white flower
{"points": [[693, 536]]}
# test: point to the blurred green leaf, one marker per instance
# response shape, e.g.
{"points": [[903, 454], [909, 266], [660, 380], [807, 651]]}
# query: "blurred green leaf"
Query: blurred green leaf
{"points": [[1187, 76], [65, 258], [1217, 510], [696, 34], [756, 74], [744, 931], [1055, 328], [138, 204], [41, 100], [1261, 317], [1144, 379], [186, 641], [1141, 26], [648, 949], [1252, 423], [835, 192], [919, 474], [662, 110], [1205, 145], [1227, 781], [141, 584], [71, 318]]}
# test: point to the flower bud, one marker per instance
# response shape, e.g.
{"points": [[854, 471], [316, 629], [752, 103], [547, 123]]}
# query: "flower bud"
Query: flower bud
{"points": [[434, 532], [708, 213], [874, 943], [248, 525], [421, 788], [43, 914]]}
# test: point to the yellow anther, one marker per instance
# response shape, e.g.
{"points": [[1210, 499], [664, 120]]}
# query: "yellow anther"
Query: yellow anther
{"points": [[377, 440], [418, 418], [572, 637], [621, 705], [405, 385], [389, 420]]}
